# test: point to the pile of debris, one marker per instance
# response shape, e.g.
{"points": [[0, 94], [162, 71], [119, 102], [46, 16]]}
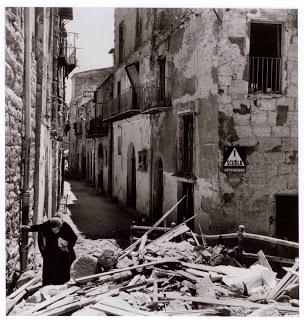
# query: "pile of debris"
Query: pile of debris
{"points": [[165, 276]]}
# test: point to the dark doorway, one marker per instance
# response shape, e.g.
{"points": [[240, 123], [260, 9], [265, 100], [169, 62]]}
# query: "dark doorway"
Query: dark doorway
{"points": [[158, 190], [100, 168], [187, 167], [131, 178], [186, 207], [287, 219]]}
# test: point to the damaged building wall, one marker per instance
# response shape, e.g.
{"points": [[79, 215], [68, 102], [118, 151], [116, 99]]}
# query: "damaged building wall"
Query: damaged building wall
{"points": [[184, 38], [130, 181], [216, 99], [264, 123]]}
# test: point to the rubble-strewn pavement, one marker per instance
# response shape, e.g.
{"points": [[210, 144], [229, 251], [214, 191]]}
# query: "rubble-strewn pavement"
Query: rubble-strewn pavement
{"points": [[168, 276]]}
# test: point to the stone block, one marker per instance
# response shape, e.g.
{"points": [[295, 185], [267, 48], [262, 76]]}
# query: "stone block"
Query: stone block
{"points": [[224, 99], [238, 87], [275, 157], [272, 117], [292, 182], [292, 118], [259, 118], [241, 120], [285, 101], [289, 144], [292, 91], [243, 131], [248, 141], [262, 130], [268, 104], [267, 144], [293, 52], [280, 131], [284, 169]]}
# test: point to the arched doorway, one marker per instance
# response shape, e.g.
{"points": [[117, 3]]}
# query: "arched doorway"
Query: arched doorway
{"points": [[158, 189], [131, 177], [100, 168]]}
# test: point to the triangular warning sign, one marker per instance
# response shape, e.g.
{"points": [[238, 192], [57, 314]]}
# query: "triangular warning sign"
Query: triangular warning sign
{"points": [[234, 160]]}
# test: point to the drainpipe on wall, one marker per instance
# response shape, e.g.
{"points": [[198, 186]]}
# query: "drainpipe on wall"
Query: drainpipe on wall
{"points": [[27, 139]]}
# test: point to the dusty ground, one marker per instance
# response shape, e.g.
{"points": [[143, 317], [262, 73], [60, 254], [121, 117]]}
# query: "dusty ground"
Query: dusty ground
{"points": [[96, 217]]}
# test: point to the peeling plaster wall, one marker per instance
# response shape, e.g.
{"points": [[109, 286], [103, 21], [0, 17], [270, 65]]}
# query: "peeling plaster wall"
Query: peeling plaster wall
{"points": [[136, 131], [190, 51]]}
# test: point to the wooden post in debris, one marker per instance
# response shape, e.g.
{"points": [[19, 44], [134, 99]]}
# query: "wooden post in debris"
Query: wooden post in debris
{"points": [[133, 246], [132, 231], [240, 235], [263, 260]]}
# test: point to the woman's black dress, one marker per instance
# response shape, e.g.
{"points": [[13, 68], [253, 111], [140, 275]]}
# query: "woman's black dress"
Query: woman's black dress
{"points": [[56, 262]]}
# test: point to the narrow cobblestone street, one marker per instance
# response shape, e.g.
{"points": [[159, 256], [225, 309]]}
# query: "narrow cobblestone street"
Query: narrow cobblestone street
{"points": [[95, 216]]}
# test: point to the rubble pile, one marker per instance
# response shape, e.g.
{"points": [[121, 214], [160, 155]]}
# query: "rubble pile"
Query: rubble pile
{"points": [[165, 276]]}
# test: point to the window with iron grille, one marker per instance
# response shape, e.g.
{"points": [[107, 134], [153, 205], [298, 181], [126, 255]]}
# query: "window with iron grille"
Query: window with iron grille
{"points": [[265, 62], [121, 39]]}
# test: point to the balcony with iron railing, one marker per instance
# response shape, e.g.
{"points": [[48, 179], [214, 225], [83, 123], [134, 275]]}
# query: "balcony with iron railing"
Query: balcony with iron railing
{"points": [[152, 97], [265, 74], [67, 51], [96, 128]]}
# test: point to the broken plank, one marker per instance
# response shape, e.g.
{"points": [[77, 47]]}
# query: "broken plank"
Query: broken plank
{"points": [[10, 303], [201, 267], [198, 273], [253, 236], [228, 302], [195, 238], [133, 245], [176, 231], [98, 275], [155, 291], [263, 260], [274, 292], [50, 301], [109, 306], [25, 286], [291, 271], [187, 275], [269, 258], [68, 308], [143, 242]]}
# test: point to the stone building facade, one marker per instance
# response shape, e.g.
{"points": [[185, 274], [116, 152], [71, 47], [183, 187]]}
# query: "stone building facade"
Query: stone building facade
{"points": [[85, 126], [37, 63], [187, 83]]}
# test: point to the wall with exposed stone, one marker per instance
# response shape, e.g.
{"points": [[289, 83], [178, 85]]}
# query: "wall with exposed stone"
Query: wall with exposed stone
{"points": [[207, 72], [14, 131], [266, 124]]}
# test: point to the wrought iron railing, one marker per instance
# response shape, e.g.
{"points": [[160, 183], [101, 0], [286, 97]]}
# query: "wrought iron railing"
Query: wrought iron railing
{"points": [[265, 74], [152, 94], [96, 127]]}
